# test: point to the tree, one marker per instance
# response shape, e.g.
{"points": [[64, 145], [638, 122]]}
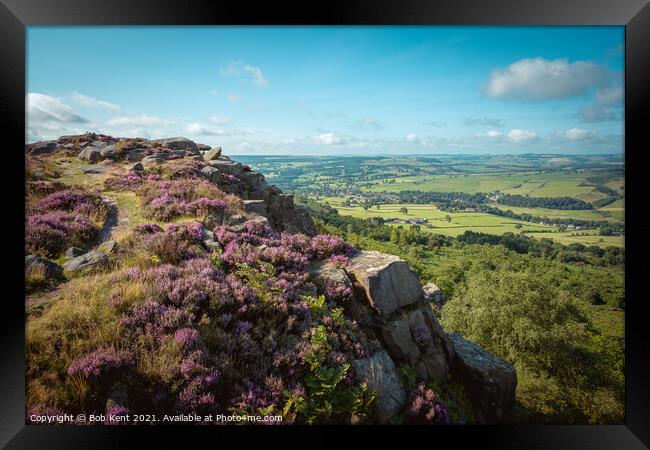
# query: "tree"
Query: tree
{"points": [[448, 218], [524, 319]]}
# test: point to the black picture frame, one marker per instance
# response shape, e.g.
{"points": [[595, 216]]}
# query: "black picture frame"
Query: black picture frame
{"points": [[16, 15]]}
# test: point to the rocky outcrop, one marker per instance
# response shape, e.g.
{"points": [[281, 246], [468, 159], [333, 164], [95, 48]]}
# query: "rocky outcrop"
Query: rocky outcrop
{"points": [[433, 295], [212, 154], [379, 373], [211, 174], [73, 252], [86, 261], [41, 148], [490, 382], [93, 151], [178, 143], [390, 306], [388, 281], [255, 207], [51, 270]]}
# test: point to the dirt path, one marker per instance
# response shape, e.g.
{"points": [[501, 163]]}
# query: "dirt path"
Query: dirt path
{"points": [[112, 223]]}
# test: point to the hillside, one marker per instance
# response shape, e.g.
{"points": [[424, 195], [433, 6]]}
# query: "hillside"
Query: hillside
{"points": [[165, 279]]}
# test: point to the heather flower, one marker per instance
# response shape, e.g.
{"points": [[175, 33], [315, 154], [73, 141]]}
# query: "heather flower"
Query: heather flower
{"points": [[258, 228], [111, 414], [100, 362], [297, 242], [71, 200], [326, 245], [54, 232], [188, 338], [147, 228], [337, 294], [340, 260], [124, 182], [167, 199], [193, 398], [243, 327], [426, 408]]}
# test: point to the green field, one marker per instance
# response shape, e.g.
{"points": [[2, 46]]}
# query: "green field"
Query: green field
{"points": [[615, 209], [586, 238], [479, 222], [460, 221], [547, 184], [582, 214]]}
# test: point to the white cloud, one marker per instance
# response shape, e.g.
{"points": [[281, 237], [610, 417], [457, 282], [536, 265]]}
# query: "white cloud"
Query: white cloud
{"points": [[203, 130], [577, 134], [493, 134], [611, 95], [137, 121], [412, 137], [602, 108], [92, 102], [542, 79], [330, 139], [245, 72], [42, 108], [596, 113], [234, 98], [519, 135], [49, 117]]}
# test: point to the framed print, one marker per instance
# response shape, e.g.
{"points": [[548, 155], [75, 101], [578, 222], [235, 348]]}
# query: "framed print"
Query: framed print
{"points": [[386, 217]]}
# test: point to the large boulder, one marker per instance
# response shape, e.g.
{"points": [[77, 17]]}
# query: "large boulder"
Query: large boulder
{"points": [[178, 143], [136, 154], [51, 270], [73, 252], [302, 222], [154, 159], [212, 154], [264, 192], [108, 247], [226, 166], [113, 151], [489, 381], [211, 174], [42, 148], [388, 281], [88, 260], [379, 372], [255, 207], [433, 294], [415, 337], [254, 179], [92, 153], [327, 274]]}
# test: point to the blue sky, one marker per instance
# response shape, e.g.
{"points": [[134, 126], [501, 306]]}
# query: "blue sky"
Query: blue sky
{"points": [[334, 90]]}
